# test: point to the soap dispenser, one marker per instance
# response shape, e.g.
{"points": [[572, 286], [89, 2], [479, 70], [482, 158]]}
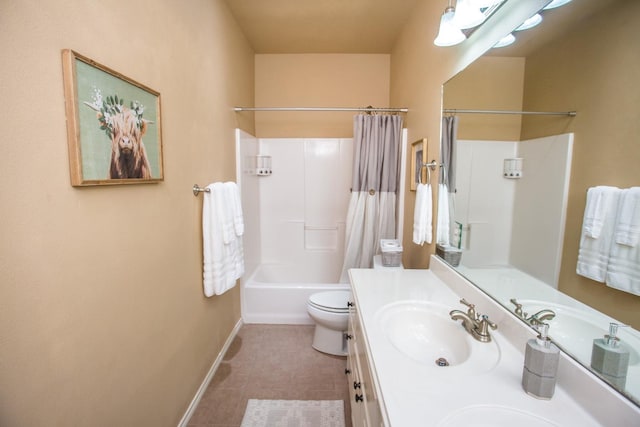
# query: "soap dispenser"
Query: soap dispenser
{"points": [[611, 358], [541, 359]]}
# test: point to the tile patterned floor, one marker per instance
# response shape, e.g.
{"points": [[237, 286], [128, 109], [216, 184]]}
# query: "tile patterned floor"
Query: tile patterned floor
{"points": [[270, 362]]}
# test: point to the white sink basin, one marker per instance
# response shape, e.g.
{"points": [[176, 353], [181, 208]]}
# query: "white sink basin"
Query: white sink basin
{"points": [[493, 416], [426, 334], [575, 330]]}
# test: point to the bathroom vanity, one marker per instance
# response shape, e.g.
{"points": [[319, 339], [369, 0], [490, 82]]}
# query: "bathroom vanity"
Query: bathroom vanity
{"points": [[411, 364]]}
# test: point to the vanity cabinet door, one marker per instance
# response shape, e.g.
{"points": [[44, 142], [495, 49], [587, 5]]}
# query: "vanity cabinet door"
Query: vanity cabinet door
{"points": [[365, 410]]}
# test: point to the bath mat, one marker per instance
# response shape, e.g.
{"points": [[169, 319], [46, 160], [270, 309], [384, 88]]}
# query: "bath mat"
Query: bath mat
{"points": [[294, 413]]}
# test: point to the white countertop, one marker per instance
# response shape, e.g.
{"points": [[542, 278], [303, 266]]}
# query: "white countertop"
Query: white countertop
{"points": [[418, 394]]}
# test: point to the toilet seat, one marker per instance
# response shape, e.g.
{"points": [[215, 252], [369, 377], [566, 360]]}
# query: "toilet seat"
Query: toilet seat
{"points": [[331, 301]]}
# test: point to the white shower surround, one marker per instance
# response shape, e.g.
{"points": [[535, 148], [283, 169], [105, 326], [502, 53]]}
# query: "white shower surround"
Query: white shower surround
{"points": [[294, 223], [499, 214]]}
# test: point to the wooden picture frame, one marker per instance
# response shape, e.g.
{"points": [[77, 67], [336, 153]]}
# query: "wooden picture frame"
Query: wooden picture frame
{"points": [[418, 160], [113, 125]]}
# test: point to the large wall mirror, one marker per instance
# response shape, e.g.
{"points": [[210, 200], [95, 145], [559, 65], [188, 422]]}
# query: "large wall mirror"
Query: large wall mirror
{"points": [[518, 183]]}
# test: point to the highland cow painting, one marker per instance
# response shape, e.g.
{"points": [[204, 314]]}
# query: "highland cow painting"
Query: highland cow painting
{"points": [[113, 125]]}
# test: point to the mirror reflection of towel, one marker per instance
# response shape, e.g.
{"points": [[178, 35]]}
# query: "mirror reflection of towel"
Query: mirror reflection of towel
{"points": [[628, 222], [597, 232], [623, 270], [423, 215]]}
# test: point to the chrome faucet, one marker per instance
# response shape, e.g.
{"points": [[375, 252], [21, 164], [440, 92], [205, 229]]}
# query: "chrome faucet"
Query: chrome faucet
{"points": [[518, 310], [540, 317], [535, 319], [477, 325]]}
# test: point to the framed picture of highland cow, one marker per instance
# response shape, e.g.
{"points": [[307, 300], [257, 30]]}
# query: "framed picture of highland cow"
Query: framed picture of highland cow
{"points": [[113, 125]]}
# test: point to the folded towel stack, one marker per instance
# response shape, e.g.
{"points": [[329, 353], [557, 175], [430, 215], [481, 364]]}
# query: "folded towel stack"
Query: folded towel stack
{"points": [[623, 272], [222, 230], [609, 249], [597, 232]]}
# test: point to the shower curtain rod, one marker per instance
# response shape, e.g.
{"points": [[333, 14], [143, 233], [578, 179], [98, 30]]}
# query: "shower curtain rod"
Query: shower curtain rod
{"points": [[532, 113], [360, 109]]}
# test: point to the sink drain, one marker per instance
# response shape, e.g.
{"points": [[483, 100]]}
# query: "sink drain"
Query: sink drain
{"points": [[442, 362]]}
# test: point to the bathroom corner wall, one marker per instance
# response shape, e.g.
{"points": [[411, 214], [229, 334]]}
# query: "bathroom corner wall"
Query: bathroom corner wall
{"points": [[317, 80], [102, 314]]}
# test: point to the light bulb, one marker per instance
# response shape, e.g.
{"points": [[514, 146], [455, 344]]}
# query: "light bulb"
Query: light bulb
{"points": [[449, 34], [505, 41], [555, 3], [530, 23]]}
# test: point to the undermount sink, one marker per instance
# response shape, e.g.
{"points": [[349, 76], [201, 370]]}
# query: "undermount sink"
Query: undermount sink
{"points": [[425, 333], [575, 330], [493, 416]]}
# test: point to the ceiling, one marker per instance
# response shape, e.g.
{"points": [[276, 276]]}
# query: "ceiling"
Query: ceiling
{"points": [[369, 26], [322, 26]]}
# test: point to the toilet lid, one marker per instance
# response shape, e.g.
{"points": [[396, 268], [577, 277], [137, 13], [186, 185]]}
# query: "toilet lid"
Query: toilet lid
{"points": [[331, 300]]}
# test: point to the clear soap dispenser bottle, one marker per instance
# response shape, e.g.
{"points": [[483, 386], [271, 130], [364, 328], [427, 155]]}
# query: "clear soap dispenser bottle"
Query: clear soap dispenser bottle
{"points": [[541, 359], [611, 358]]}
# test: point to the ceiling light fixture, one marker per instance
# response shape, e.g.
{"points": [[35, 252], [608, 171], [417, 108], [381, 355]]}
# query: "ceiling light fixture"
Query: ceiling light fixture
{"points": [[530, 23], [467, 15], [505, 41], [555, 3], [484, 3], [449, 34]]}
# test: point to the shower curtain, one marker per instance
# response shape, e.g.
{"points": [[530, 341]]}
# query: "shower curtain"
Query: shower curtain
{"points": [[447, 186], [372, 207]]}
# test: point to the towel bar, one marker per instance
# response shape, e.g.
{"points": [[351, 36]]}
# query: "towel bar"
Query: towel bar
{"points": [[197, 190]]}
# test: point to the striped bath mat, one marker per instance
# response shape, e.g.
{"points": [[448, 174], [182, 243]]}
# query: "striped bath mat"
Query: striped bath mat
{"points": [[294, 413]]}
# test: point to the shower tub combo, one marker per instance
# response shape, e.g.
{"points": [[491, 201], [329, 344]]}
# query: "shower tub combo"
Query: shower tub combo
{"points": [[278, 293]]}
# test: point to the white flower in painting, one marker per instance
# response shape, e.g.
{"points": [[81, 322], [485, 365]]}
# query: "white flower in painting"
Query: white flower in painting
{"points": [[97, 98]]}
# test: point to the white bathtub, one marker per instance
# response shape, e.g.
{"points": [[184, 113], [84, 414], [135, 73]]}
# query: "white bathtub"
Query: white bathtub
{"points": [[278, 293]]}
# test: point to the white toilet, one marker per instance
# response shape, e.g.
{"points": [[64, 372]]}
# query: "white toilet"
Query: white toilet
{"points": [[330, 312]]}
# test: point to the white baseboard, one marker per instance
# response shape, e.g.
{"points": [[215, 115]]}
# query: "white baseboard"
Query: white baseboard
{"points": [[207, 379]]}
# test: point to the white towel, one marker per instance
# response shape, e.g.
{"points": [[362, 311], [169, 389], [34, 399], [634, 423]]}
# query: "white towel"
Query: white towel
{"points": [[623, 270], [597, 207], [223, 261], [235, 214], [599, 220], [627, 230], [442, 228], [235, 197], [422, 215]]}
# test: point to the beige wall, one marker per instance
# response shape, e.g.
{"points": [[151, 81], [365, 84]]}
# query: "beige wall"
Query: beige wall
{"points": [[103, 321], [495, 84], [317, 80], [595, 72]]}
